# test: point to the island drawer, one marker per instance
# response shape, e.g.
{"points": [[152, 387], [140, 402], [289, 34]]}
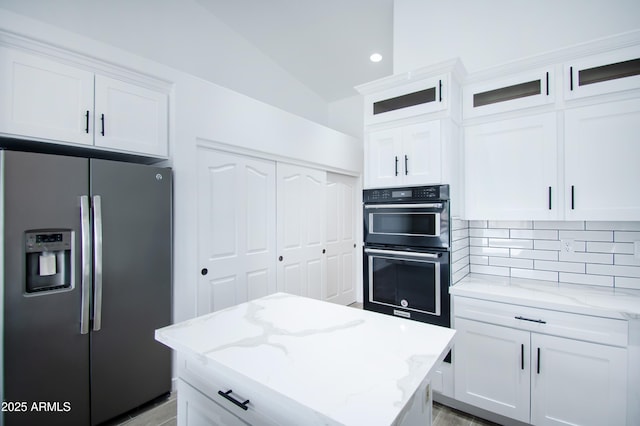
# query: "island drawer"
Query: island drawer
{"points": [[265, 407], [607, 331]]}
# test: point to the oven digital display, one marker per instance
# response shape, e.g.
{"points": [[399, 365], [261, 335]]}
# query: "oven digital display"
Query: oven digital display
{"points": [[401, 194]]}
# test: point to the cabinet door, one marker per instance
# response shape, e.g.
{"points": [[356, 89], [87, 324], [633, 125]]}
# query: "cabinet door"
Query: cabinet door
{"points": [[492, 368], [601, 161], [341, 194], [43, 99], [408, 100], [236, 229], [578, 383], [525, 90], [383, 153], [421, 157], [301, 216], [130, 118], [613, 71], [511, 169]]}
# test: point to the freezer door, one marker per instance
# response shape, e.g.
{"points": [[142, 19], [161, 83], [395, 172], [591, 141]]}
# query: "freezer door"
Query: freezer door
{"points": [[128, 367], [46, 358]]}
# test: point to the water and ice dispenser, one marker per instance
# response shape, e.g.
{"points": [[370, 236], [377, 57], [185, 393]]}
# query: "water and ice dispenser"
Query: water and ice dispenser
{"points": [[48, 260]]}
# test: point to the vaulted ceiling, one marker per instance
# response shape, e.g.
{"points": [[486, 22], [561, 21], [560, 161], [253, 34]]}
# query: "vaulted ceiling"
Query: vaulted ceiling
{"points": [[325, 44]]}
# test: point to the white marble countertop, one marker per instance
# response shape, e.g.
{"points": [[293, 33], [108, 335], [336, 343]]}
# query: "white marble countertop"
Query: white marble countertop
{"points": [[353, 366], [576, 298]]}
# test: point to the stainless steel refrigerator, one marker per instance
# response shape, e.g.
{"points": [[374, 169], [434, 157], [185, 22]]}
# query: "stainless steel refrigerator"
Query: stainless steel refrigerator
{"points": [[86, 279]]}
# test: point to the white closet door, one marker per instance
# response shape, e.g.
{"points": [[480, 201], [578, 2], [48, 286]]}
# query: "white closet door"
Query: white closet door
{"points": [[237, 232], [301, 216], [341, 192]]}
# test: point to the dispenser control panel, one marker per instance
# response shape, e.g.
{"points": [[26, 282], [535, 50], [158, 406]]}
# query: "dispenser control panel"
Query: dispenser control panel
{"points": [[37, 242]]}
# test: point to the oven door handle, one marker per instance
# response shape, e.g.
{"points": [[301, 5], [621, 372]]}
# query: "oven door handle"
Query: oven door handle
{"points": [[403, 253], [404, 206]]}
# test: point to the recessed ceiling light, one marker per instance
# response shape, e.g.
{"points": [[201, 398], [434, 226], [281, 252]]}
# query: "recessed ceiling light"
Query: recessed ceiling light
{"points": [[376, 57]]}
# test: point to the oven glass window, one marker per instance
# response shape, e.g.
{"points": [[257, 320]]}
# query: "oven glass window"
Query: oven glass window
{"points": [[404, 223], [405, 283]]}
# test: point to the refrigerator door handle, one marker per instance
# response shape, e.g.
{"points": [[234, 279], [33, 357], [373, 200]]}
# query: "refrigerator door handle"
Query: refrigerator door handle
{"points": [[97, 262], [85, 236]]}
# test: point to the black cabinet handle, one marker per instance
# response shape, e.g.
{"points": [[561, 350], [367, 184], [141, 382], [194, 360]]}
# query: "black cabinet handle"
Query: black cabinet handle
{"points": [[571, 78], [396, 165], [547, 83], [573, 198], [86, 129], [522, 356], [439, 90], [406, 165], [102, 120], [539, 321], [204, 271], [549, 198], [227, 395], [280, 258], [538, 367]]}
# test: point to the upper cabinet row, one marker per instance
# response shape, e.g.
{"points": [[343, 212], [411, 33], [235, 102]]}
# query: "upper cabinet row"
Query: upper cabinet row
{"points": [[611, 72], [573, 161], [550, 142], [53, 101]]}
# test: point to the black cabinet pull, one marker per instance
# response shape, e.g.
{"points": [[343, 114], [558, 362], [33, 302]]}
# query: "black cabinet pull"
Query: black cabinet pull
{"points": [[102, 120], [547, 83], [280, 258], [439, 90], [539, 321], [204, 271], [396, 165], [573, 198], [571, 78], [538, 367], [549, 198], [406, 165], [227, 395], [86, 129], [522, 356]]}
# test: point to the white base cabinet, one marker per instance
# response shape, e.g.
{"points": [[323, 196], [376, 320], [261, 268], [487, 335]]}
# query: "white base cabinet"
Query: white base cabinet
{"points": [[574, 382], [540, 367]]}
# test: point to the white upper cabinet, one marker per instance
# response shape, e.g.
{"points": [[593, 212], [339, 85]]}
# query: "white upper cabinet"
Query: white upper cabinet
{"points": [[610, 72], [602, 154], [52, 101], [523, 90], [407, 100], [511, 169], [44, 99], [130, 118], [408, 155]]}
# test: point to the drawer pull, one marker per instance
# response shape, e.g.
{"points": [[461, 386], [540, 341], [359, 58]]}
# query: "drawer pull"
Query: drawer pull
{"points": [[227, 395], [539, 321]]}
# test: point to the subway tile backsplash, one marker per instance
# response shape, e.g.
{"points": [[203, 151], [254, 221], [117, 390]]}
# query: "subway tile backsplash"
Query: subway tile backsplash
{"points": [[600, 254]]}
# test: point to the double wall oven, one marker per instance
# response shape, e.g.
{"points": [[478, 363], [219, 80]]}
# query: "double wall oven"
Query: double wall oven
{"points": [[407, 242]]}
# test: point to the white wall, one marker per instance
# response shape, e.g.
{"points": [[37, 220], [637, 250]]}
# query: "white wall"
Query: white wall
{"points": [[347, 115], [486, 33], [185, 36]]}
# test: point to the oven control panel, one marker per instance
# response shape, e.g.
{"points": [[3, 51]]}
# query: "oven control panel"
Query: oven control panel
{"points": [[418, 193]]}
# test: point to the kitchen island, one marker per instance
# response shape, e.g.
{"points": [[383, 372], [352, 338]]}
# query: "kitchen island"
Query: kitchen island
{"points": [[285, 359]]}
